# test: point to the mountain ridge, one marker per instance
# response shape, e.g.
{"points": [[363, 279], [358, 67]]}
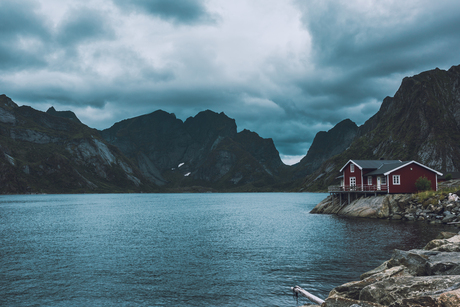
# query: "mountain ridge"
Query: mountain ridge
{"points": [[53, 152], [421, 122], [203, 150]]}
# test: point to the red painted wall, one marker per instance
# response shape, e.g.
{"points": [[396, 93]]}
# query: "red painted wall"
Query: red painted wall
{"points": [[347, 174], [408, 175], [374, 179]]}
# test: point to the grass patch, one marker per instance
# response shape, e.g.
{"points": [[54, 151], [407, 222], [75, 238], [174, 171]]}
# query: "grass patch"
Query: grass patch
{"points": [[441, 194]]}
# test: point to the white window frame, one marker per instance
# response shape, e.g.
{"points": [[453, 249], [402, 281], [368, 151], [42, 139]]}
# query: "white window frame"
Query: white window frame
{"points": [[384, 180], [352, 168], [352, 181], [396, 179]]}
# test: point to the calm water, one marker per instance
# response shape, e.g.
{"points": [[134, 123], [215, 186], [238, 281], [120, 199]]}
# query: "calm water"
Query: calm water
{"points": [[185, 249]]}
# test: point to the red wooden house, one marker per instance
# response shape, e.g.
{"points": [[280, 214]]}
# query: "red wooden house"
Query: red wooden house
{"points": [[384, 176]]}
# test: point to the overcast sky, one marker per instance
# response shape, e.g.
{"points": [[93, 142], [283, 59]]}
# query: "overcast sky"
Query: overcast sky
{"points": [[285, 69]]}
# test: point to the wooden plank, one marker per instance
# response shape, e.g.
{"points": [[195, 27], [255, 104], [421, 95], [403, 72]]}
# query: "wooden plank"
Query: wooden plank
{"points": [[308, 295]]}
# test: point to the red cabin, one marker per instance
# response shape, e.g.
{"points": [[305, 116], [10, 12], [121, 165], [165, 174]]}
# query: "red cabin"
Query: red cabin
{"points": [[384, 176]]}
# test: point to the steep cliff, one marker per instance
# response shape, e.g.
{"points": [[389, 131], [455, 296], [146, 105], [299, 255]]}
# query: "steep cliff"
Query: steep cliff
{"points": [[44, 153], [205, 150], [421, 122], [326, 145]]}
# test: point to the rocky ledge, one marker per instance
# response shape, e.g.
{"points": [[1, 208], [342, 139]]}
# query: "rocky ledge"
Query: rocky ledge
{"points": [[419, 277], [435, 209]]}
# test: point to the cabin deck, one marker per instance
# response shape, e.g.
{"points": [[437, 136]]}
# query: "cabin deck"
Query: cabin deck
{"points": [[381, 189]]}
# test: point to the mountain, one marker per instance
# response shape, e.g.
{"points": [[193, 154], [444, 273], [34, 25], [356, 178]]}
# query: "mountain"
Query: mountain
{"points": [[421, 122], [65, 114], [49, 153], [326, 145], [205, 151]]}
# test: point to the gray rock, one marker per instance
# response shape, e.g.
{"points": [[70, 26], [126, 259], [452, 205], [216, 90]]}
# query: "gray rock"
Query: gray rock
{"points": [[443, 263], [449, 218], [346, 302], [413, 260], [395, 290]]}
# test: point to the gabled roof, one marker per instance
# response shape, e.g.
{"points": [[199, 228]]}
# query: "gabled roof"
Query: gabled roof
{"points": [[388, 167], [369, 164], [410, 162]]}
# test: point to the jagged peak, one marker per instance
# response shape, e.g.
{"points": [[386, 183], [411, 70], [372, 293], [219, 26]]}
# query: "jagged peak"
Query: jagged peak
{"points": [[64, 114], [7, 102]]}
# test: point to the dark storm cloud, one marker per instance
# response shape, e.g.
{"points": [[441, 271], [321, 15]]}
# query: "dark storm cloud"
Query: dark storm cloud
{"points": [[361, 54], [83, 25], [284, 69], [177, 11], [22, 33], [356, 45]]}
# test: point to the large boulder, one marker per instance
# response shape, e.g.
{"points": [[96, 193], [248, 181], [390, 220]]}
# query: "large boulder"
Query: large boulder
{"points": [[346, 302], [443, 263], [451, 244], [392, 290], [368, 207], [419, 277], [450, 299], [353, 289]]}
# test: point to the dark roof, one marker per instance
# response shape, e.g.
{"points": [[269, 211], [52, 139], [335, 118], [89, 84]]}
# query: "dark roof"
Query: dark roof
{"points": [[366, 164], [370, 164], [384, 168]]}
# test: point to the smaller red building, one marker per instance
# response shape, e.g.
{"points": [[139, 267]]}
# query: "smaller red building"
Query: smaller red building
{"points": [[384, 176]]}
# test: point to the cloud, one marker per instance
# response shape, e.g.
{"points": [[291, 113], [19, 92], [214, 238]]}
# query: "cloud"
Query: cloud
{"points": [[22, 36], [284, 69], [83, 25], [177, 11]]}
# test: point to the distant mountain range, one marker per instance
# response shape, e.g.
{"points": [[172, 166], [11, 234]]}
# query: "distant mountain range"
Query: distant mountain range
{"points": [[204, 152], [53, 152]]}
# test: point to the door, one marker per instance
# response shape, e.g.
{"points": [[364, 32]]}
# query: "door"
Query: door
{"points": [[379, 183]]}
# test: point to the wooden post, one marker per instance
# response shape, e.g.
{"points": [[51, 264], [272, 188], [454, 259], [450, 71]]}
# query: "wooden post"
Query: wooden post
{"points": [[308, 295]]}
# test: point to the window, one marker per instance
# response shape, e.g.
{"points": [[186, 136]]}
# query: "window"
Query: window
{"points": [[352, 181], [384, 180], [396, 180], [352, 168], [369, 180]]}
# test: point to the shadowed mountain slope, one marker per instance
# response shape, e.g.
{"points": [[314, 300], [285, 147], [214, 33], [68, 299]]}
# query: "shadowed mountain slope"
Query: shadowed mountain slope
{"points": [[421, 122], [205, 151], [43, 153]]}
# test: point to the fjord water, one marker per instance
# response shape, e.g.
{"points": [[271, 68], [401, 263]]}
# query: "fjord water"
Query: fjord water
{"points": [[185, 249]]}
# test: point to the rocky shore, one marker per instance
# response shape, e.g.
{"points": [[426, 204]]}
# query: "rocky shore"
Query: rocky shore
{"points": [[420, 277], [435, 209]]}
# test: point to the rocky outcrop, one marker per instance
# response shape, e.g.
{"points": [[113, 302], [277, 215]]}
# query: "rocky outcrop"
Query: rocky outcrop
{"points": [[436, 209], [65, 114], [412, 278]]}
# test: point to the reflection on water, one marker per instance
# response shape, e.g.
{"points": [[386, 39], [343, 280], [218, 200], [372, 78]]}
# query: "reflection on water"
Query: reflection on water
{"points": [[185, 249]]}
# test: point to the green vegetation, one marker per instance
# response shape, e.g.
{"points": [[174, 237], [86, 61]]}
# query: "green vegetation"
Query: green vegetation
{"points": [[423, 184], [425, 196]]}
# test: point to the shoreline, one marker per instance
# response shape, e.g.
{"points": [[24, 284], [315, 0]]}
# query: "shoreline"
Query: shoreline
{"points": [[436, 209], [419, 277]]}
